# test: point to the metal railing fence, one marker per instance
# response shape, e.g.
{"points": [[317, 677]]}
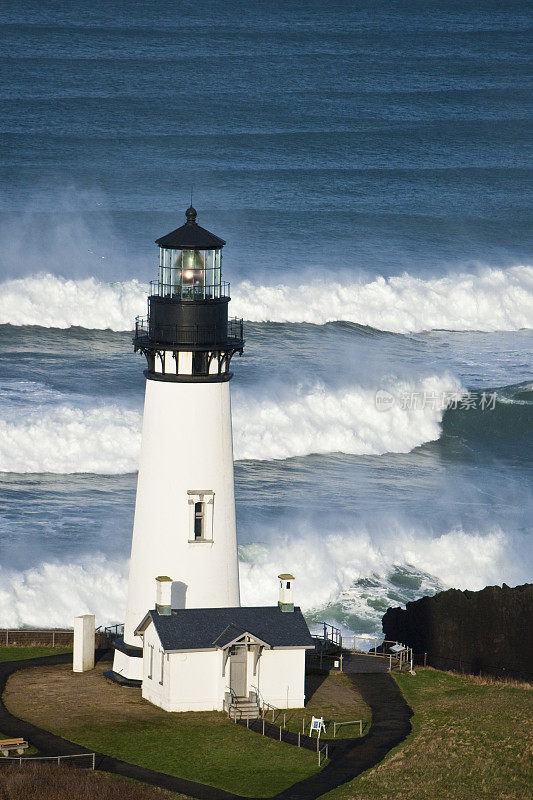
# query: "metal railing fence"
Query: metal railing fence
{"points": [[90, 757], [55, 637]]}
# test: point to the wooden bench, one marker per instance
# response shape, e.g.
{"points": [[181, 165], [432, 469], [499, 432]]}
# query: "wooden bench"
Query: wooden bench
{"points": [[6, 745]]}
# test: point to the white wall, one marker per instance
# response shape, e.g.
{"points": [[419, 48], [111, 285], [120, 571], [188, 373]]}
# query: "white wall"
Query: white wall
{"points": [[84, 640], [281, 675], [191, 681], [186, 444], [127, 666], [194, 681]]}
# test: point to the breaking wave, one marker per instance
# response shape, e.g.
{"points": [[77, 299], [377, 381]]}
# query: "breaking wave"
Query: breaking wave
{"points": [[105, 439], [346, 421], [489, 300], [63, 439], [352, 577], [94, 587], [349, 578]]}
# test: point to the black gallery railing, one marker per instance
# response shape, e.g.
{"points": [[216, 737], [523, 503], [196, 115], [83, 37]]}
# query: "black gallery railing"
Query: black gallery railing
{"points": [[147, 333], [192, 290]]}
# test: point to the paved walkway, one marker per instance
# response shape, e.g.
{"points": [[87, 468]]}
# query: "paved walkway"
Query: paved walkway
{"points": [[348, 757]]}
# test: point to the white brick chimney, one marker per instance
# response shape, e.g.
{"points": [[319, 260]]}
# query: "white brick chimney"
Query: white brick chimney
{"points": [[163, 595], [286, 581]]}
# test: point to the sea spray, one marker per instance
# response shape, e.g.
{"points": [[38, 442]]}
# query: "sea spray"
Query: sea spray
{"points": [[490, 300], [105, 438], [349, 577], [345, 421], [52, 594], [487, 300], [55, 302]]}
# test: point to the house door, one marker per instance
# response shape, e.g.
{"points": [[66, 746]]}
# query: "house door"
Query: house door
{"points": [[237, 670]]}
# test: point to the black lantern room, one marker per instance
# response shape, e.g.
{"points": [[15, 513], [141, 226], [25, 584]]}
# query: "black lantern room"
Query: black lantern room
{"points": [[188, 307]]}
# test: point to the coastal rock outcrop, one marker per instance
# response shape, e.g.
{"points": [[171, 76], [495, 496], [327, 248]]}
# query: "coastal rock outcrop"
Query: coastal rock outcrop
{"points": [[487, 632]]}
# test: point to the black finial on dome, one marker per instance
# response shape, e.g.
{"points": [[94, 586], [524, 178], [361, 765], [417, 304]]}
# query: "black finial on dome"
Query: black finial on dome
{"points": [[191, 215]]}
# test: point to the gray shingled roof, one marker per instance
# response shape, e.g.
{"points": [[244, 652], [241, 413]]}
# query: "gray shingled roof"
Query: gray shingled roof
{"points": [[206, 628]]}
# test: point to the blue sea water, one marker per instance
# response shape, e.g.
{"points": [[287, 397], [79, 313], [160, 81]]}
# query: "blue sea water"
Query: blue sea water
{"points": [[369, 166]]}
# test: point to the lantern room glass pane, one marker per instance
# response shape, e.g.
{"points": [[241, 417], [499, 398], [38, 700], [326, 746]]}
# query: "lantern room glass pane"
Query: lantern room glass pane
{"points": [[188, 270], [189, 274], [164, 272], [217, 272]]}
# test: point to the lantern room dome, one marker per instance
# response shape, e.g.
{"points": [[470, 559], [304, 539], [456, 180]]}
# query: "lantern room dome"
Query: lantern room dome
{"points": [[191, 236]]}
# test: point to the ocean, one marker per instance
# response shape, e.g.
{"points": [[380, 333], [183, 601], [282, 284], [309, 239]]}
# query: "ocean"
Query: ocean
{"points": [[369, 165]]}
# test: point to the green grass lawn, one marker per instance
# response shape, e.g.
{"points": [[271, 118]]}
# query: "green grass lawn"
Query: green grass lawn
{"points": [[331, 696], [203, 747], [471, 740], [18, 653]]}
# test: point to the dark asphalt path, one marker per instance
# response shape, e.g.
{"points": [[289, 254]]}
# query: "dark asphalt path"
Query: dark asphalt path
{"points": [[348, 757]]}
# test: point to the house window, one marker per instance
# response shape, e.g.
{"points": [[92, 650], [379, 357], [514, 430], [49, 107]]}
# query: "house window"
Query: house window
{"points": [[201, 505], [162, 667], [150, 660], [199, 517]]}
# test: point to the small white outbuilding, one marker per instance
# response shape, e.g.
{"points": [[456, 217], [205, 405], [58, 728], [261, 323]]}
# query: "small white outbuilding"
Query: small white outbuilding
{"points": [[204, 659]]}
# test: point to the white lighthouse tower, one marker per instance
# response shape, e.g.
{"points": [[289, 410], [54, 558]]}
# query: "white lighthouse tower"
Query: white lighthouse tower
{"points": [[185, 508]]}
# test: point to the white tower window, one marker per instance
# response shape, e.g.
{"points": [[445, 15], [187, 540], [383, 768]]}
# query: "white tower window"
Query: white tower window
{"points": [[201, 506], [199, 516]]}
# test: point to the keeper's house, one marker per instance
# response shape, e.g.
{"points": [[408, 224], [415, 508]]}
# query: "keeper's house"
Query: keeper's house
{"points": [[237, 659]]}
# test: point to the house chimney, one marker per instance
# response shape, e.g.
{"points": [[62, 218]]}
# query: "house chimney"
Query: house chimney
{"points": [[285, 602], [163, 602]]}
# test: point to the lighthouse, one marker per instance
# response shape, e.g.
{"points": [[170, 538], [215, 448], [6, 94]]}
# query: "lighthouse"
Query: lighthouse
{"points": [[184, 523]]}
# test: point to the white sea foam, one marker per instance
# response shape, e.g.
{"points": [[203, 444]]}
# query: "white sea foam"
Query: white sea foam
{"points": [[491, 300], [487, 300], [345, 421], [106, 439], [54, 302], [64, 439], [52, 594], [329, 567]]}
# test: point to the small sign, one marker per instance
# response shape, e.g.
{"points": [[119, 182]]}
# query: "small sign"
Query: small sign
{"points": [[398, 648], [317, 724]]}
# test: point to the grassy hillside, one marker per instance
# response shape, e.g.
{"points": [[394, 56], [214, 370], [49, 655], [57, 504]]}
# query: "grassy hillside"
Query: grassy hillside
{"points": [[472, 739], [50, 782]]}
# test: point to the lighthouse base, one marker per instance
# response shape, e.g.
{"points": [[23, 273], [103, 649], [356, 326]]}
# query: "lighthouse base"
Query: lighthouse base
{"points": [[111, 675], [127, 664]]}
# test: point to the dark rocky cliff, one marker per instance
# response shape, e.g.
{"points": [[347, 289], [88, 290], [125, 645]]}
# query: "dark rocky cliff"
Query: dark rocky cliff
{"points": [[490, 631]]}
